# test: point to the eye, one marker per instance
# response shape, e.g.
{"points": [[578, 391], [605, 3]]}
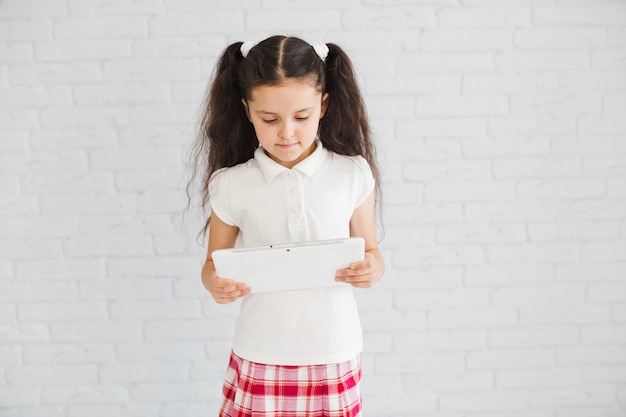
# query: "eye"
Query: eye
{"points": [[269, 121], [302, 118]]}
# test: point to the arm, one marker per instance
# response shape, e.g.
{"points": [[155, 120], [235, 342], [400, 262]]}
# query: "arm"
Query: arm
{"points": [[223, 290], [364, 274]]}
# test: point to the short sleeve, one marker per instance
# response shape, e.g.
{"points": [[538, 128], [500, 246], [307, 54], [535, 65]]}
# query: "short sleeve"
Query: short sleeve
{"points": [[220, 196], [365, 180]]}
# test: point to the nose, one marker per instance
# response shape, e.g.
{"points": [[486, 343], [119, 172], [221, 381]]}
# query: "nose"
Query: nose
{"points": [[286, 130]]}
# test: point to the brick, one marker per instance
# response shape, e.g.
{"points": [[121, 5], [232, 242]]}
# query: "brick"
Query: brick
{"points": [[510, 359], [436, 61], [97, 117], [563, 37], [580, 14], [24, 333], [573, 397], [442, 299], [537, 168], [541, 60], [543, 294], [607, 334], [401, 364], [450, 382], [488, 16], [20, 291], [612, 293], [464, 106], [108, 246], [104, 410], [509, 82], [35, 96], [505, 275], [201, 22], [183, 46], [85, 394], [447, 170], [560, 189], [480, 234], [397, 17], [127, 288], [83, 50], [533, 253], [52, 375], [533, 337], [16, 8], [75, 269], [591, 273], [55, 73], [162, 309], [96, 331], [564, 314], [143, 70], [66, 183], [10, 356], [512, 212], [145, 114], [117, 7], [118, 93], [16, 52], [159, 351], [440, 191], [18, 397], [472, 318], [101, 27], [87, 204], [68, 353], [74, 138], [144, 372], [487, 401], [18, 226], [419, 131], [541, 378], [568, 231], [438, 341], [31, 29], [412, 257], [474, 39], [62, 311], [555, 103]]}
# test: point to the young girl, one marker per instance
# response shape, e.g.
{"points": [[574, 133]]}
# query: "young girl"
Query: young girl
{"points": [[285, 155]]}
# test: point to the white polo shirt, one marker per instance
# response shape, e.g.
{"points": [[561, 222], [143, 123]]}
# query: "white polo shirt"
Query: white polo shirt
{"points": [[271, 204]]}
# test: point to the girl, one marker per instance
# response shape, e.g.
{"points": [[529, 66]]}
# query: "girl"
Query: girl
{"points": [[285, 155]]}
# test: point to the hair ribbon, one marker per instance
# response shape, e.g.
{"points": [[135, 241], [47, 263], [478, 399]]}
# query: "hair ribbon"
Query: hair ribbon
{"points": [[321, 49], [246, 47]]}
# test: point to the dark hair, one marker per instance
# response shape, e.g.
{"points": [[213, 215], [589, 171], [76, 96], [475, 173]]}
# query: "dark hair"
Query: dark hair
{"points": [[227, 138]]}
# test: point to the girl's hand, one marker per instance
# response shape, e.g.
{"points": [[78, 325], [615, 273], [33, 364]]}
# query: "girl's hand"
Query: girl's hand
{"points": [[226, 290], [362, 274]]}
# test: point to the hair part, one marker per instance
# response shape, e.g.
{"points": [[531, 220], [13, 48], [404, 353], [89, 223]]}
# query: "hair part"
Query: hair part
{"points": [[227, 138]]}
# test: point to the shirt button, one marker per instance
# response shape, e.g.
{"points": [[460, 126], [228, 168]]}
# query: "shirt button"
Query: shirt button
{"points": [[292, 191], [294, 209]]}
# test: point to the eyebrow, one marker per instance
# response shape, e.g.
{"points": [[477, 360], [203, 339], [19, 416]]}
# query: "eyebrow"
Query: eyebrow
{"points": [[298, 111]]}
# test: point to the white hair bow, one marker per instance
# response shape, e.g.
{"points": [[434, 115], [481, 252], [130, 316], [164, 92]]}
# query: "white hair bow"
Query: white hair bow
{"points": [[321, 49], [245, 48]]}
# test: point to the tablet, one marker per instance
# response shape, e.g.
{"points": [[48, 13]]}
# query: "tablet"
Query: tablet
{"points": [[289, 266]]}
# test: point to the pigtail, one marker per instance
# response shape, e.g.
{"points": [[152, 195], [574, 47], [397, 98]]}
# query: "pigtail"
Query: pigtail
{"points": [[345, 129], [225, 136]]}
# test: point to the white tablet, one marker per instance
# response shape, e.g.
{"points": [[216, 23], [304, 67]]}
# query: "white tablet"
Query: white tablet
{"points": [[289, 266]]}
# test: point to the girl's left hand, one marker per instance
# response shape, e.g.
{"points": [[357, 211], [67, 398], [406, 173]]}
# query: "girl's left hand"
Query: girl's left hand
{"points": [[362, 274]]}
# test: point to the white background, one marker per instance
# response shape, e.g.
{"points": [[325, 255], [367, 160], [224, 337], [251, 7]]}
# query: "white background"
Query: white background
{"points": [[501, 127]]}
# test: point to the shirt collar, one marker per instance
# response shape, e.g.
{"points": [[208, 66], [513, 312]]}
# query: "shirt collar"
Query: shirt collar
{"points": [[271, 169]]}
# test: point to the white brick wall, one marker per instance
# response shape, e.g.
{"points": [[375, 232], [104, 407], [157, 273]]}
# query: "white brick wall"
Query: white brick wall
{"points": [[502, 134]]}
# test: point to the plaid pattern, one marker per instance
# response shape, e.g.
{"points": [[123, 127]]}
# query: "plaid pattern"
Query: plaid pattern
{"points": [[258, 390]]}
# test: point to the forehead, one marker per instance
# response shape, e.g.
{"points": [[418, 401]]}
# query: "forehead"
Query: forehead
{"points": [[286, 95]]}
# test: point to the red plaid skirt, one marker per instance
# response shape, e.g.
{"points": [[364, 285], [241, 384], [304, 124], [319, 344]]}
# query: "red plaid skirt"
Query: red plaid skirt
{"points": [[258, 390]]}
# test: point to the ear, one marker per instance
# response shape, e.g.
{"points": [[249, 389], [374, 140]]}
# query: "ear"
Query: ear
{"points": [[247, 109], [324, 105]]}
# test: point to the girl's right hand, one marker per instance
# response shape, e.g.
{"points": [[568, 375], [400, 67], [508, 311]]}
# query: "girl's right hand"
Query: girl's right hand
{"points": [[226, 290]]}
